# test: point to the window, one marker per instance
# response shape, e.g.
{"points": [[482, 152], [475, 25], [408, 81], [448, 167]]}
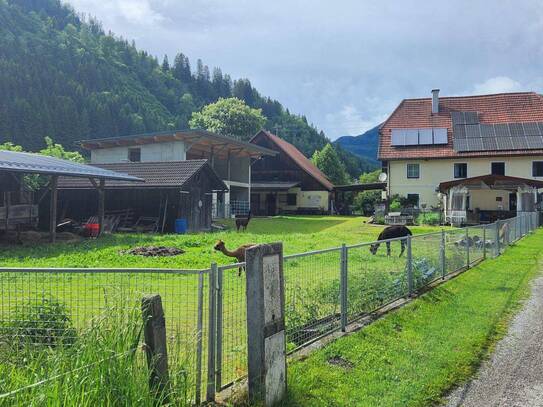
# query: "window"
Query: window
{"points": [[413, 199], [134, 155], [292, 199], [413, 171], [537, 169], [460, 170], [497, 168]]}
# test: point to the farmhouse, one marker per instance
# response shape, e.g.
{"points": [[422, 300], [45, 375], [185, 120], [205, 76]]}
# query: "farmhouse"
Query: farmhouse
{"points": [[479, 158], [230, 158], [287, 182]]}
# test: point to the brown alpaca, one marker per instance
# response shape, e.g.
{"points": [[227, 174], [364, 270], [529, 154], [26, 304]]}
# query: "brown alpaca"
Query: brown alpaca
{"points": [[243, 222], [239, 253]]}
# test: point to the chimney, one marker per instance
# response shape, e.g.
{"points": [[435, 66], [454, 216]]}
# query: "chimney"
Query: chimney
{"points": [[435, 101]]}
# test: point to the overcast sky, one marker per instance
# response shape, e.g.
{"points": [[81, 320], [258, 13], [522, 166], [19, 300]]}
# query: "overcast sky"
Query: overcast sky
{"points": [[344, 64]]}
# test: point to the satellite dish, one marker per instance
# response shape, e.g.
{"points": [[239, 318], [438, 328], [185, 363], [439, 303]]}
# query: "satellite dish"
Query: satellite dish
{"points": [[382, 177]]}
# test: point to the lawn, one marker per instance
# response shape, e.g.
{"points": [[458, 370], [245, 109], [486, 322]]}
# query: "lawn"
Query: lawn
{"points": [[298, 234], [415, 355], [311, 282]]}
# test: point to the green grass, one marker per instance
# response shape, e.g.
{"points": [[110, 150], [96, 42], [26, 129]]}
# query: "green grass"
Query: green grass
{"points": [[415, 355], [87, 296], [298, 234]]}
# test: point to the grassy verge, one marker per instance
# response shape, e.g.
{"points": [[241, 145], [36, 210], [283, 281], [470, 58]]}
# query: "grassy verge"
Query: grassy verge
{"points": [[415, 355]]}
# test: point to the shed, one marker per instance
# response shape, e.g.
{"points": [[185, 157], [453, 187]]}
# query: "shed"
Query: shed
{"points": [[13, 165], [171, 190]]}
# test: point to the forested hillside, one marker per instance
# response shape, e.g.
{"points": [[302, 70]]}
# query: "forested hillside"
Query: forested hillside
{"points": [[364, 146], [64, 77]]}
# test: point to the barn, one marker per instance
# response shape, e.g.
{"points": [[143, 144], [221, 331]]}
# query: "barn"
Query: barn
{"points": [[171, 190]]}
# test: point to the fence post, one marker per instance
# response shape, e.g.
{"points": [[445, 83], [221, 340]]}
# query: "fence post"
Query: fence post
{"points": [[266, 338], [218, 356], [442, 255], [467, 247], [154, 330], [343, 286], [199, 326], [484, 242], [212, 333], [409, 267], [498, 237]]}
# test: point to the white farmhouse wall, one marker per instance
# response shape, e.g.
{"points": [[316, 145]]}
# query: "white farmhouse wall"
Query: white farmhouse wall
{"points": [[167, 151], [433, 172]]}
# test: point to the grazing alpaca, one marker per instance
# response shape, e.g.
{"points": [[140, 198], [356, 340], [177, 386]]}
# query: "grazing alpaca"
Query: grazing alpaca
{"points": [[239, 253], [391, 232], [243, 222]]}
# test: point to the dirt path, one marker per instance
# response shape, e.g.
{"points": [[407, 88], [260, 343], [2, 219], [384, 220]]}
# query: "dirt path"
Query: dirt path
{"points": [[514, 374]]}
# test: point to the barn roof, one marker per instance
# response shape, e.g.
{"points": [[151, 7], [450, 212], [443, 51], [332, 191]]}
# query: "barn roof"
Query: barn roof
{"points": [[169, 174], [29, 163], [200, 142], [296, 155]]}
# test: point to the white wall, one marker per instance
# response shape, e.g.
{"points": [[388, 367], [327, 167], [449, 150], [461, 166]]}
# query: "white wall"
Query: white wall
{"points": [[167, 151], [433, 172]]}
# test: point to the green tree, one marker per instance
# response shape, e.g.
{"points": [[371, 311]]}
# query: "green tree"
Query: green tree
{"points": [[57, 150], [9, 146], [229, 117], [327, 160], [369, 177]]}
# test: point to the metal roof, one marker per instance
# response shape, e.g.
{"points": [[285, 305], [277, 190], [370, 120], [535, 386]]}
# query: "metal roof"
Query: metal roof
{"points": [[164, 174], [29, 163], [274, 185], [201, 142], [491, 181], [370, 186]]}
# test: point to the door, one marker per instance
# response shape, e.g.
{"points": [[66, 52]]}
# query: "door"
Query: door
{"points": [[255, 204], [513, 202], [271, 204]]}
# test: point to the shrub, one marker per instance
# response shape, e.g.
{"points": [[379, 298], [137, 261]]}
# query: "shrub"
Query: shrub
{"points": [[46, 322], [429, 218]]}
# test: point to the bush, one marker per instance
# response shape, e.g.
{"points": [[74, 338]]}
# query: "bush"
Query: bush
{"points": [[46, 322], [429, 218]]}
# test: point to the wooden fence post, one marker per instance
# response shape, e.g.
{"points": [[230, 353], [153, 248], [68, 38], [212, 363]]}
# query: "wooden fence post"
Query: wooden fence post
{"points": [[154, 329]]}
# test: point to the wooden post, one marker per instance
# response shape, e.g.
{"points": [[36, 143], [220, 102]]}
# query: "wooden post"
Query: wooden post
{"points": [[101, 205], [154, 329], [53, 210]]}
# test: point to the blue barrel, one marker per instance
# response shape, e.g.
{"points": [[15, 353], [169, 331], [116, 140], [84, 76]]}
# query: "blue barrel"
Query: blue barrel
{"points": [[181, 226]]}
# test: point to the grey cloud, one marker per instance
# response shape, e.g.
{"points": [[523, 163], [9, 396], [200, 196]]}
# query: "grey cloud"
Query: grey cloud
{"points": [[344, 64]]}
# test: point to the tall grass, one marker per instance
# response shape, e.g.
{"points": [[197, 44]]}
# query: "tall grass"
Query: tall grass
{"points": [[98, 366]]}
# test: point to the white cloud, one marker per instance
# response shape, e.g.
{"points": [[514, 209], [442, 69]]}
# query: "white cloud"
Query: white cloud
{"points": [[345, 67], [498, 84]]}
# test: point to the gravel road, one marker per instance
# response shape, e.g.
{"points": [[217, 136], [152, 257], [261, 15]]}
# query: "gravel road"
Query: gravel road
{"points": [[514, 374]]}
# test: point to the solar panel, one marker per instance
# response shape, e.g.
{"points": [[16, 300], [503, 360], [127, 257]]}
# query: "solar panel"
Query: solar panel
{"points": [[519, 143], [471, 118], [531, 129], [540, 125], [457, 118], [459, 131], [397, 137], [516, 129], [472, 130], [475, 144], [425, 136], [504, 143], [460, 144], [411, 137], [502, 130], [490, 143], [534, 141], [487, 130], [440, 135]]}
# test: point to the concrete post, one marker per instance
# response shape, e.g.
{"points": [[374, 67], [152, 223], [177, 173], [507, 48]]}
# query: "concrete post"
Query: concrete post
{"points": [[410, 285], [343, 286], [266, 324], [467, 248], [442, 256]]}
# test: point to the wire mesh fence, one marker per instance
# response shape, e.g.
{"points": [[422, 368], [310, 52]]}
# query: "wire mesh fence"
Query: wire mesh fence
{"points": [[206, 310]]}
